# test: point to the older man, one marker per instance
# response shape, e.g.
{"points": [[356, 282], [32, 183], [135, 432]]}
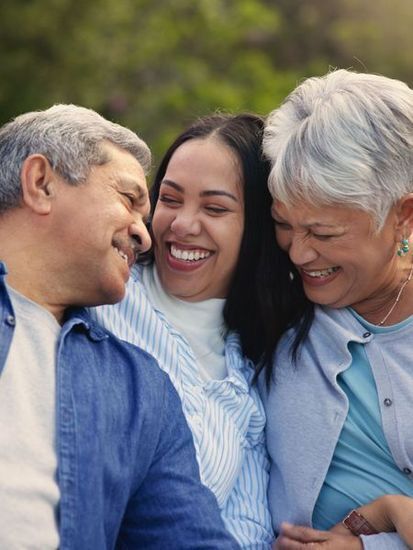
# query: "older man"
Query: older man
{"points": [[94, 449]]}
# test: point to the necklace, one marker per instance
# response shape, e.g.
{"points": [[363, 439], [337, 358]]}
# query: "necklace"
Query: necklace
{"points": [[397, 300]]}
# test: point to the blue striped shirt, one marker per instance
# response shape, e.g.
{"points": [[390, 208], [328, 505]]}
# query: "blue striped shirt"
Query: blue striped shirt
{"points": [[226, 416]]}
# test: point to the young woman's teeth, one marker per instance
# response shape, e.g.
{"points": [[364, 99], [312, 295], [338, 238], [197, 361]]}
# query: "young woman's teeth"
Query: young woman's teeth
{"points": [[322, 273], [189, 255]]}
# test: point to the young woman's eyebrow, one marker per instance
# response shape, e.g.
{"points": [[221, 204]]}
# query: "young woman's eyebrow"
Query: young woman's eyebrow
{"points": [[207, 193], [219, 192], [174, 185]]}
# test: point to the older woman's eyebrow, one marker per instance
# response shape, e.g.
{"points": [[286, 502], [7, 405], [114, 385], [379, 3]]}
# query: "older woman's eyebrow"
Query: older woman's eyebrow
{"points": [[308, 225], [320, 224]]}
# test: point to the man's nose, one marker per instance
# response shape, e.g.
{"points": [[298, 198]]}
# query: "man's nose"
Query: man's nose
{"points": [[140, 232]]}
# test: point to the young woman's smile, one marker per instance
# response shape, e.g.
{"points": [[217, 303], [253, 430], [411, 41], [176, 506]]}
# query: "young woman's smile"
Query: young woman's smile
{"points": [[198, 220]]}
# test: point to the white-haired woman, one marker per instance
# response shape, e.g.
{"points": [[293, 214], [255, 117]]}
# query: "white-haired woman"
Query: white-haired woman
{"points": [[339, 397]]}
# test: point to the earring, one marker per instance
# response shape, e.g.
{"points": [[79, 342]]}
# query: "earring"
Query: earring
{"points": [[403, 248]]}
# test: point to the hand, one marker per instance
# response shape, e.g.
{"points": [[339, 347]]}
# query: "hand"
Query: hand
{"points": [[294, 537]]}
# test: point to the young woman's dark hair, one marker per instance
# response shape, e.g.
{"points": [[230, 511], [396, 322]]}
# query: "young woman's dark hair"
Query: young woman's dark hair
{"points": [[263, 300], [282, 302]]}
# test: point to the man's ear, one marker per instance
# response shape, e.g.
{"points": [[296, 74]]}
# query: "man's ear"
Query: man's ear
{"points": [[37, 184]]}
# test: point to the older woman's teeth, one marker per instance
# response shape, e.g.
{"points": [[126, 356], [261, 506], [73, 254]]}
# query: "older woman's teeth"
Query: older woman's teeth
{"points": [[321, 273], [189, 255]]}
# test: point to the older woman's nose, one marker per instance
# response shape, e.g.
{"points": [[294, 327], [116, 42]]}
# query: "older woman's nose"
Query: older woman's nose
{"points": [[301, 252]]}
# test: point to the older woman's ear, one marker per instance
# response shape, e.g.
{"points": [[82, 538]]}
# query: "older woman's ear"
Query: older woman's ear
{"points": [[405, 215]]}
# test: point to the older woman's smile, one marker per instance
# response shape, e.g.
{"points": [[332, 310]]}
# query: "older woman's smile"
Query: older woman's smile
{"points": [[319, 277], [342, 262], [320, 272]]}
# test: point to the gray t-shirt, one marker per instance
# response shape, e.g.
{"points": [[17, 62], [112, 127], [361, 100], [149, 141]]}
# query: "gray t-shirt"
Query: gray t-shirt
{"points": [[29, 493]]}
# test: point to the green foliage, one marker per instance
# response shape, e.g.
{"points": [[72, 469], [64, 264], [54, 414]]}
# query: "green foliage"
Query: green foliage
{"points": [[155, 65], [377, 36]]}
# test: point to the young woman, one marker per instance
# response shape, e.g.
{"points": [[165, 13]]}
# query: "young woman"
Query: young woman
{"points": [[193, 306]]}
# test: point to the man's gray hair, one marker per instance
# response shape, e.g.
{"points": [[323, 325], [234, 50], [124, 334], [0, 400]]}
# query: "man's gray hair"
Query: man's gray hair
{"points": [[70, 137], [343, 139]]}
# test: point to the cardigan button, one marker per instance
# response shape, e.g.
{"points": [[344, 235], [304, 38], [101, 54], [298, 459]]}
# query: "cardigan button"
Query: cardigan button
{"points": [[407, 471], [366, 334], [388, 402]]}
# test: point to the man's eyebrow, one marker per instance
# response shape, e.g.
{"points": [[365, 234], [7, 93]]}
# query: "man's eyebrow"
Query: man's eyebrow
{"points": [[136, 187], [208, 193]]}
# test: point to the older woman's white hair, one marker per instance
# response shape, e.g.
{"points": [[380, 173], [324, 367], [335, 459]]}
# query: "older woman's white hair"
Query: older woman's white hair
{"points": [[343, 139]]}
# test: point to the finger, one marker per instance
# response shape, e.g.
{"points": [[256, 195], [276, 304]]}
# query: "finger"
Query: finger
{"points": [[303, 534], [285, 543]]}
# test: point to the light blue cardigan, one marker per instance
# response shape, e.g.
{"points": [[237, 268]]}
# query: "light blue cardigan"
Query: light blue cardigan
{"points": [[306, 410]]}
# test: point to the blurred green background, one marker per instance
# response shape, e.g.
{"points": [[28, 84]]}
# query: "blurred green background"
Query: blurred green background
{"points": [[155, 65]]}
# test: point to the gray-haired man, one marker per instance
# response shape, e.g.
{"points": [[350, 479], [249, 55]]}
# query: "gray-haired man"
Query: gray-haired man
{"points": [[94, 449]]}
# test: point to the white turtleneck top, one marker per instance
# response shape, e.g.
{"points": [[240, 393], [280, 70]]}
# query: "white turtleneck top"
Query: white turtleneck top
{"points": [[201, 323]]}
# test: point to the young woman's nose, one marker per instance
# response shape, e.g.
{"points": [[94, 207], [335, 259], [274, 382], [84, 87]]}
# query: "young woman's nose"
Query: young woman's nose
{"points": [[185, 223]]}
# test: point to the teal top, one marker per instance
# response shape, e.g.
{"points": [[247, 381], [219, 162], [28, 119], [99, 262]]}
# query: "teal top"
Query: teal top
{"points": [[362, 467]]}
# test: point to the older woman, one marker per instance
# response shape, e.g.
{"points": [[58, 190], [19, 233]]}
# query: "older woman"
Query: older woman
{"points": [[339, 397], [193, 306]]}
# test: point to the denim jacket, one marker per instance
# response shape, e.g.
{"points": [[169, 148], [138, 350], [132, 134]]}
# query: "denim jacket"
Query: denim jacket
{"points": [[127, 471]]}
